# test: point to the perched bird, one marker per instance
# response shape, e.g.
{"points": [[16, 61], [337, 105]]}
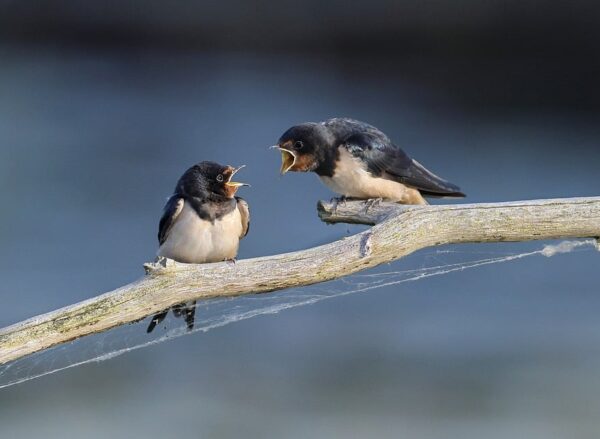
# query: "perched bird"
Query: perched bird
{"points": [[357, 160], [203, 221]]}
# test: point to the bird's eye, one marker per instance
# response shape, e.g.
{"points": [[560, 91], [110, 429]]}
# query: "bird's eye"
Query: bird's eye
{"points": [[299, 144], [220, 178]]}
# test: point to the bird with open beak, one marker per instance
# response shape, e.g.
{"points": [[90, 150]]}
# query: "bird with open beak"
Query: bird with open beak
{"points": [[357, 160], [203, 221]]}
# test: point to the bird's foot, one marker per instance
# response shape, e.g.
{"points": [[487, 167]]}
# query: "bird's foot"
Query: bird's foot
{"points": [[231, 261], [372, 202], [336, 201]]}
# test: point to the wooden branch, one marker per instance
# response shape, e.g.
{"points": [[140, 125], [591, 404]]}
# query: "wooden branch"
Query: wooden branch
{"points": [[399, 231]]}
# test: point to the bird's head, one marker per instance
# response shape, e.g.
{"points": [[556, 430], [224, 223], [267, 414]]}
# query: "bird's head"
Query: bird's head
{"points": [[210, 180], [302, 147]]}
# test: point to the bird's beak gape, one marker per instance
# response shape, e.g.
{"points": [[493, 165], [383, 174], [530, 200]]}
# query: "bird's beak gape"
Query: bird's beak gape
{"points": [[288, 159], [235, 184]]}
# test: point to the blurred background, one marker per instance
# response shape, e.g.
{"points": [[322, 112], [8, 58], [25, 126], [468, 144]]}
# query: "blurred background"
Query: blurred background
{"points": [[104, 104]]}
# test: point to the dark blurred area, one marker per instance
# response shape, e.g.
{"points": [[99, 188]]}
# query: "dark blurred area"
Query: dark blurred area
{"points": [[103, 106], [485, 53]]}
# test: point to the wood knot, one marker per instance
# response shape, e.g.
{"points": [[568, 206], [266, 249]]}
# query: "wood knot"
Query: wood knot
{"points": [[365, 245]]}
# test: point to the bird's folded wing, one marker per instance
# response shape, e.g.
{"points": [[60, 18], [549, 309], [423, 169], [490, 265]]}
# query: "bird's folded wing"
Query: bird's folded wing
{"points": [[245, 213], [386, 160], [171, 211]]}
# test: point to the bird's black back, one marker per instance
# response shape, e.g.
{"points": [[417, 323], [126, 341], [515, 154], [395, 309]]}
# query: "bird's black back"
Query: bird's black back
{"points": [[386, 160]]}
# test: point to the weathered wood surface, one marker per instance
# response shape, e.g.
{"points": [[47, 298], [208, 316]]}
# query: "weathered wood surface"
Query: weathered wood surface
{"points": [[397, 232]]}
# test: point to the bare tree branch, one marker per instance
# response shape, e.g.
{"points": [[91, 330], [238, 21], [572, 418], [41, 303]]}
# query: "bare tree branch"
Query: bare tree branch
{"points": [[398, 231]]}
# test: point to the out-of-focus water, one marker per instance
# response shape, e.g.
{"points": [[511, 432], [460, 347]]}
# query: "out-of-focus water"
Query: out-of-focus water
{"points": [[92, 144]]}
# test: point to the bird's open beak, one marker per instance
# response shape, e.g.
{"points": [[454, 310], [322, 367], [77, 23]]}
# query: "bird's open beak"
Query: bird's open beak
{"points": [[288, 159], [235, 184]]}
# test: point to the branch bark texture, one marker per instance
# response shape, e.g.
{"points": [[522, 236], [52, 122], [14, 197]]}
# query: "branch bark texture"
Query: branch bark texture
{"points": [[398, 231]]}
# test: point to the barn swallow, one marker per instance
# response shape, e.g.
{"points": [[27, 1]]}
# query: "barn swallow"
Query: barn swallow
{"points": [[203, 221], [357, 160]]}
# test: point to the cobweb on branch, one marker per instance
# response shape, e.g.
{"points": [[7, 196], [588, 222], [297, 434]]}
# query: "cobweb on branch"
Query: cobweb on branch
{"points": [[215, 313]]}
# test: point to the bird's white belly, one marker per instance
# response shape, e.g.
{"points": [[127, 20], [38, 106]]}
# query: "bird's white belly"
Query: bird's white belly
{"points": [[351, 179], [194, 240]]}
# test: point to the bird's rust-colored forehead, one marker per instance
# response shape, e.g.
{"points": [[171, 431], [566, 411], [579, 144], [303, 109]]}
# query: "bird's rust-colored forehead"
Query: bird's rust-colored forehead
{"points": [[287, 144]]}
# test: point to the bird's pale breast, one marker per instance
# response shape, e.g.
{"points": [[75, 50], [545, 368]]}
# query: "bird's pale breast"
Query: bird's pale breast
{"points": [[352, 179], [194, 240]]}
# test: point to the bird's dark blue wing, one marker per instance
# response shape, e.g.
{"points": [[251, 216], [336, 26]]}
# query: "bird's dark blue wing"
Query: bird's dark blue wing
{"points": [[171, 211], [386, 160], [245, 214]]}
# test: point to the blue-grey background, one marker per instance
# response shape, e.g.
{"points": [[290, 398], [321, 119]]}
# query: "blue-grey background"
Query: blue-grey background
{"points": [[103, 105]]}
